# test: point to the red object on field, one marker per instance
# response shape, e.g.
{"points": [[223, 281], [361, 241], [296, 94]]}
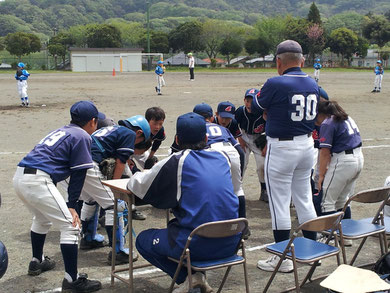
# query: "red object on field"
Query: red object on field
{"points": [[113, 72]]}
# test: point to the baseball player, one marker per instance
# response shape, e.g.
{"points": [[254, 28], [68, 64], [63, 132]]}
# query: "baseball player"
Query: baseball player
{"points": [[21, 76], [341, 158], [386, 209], [160, 76], [225, 117], [317, 67], [252, 125], [116, 142], [196, 183], [191, 66], [378, 70], [62, 153], [289, 102]]}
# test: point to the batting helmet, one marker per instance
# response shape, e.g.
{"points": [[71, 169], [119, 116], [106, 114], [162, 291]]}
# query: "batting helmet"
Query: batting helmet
{"points": [[318, 60], [138, 121], [21, 65], [160, 62], [252, 93], [379, 61], [3, 259]]}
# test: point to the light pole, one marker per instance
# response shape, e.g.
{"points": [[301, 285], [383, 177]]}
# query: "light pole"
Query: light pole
{"points": [[148, 32]]}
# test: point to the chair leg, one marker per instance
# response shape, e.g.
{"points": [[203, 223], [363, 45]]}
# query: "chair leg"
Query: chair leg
{"points": [[274, 273], [224, 279], [309, 274], [297, 288], [179, 265], [358, 250], [246, 277]]}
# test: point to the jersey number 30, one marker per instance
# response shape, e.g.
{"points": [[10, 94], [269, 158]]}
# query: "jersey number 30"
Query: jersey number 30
{"points": [[305, 107]]}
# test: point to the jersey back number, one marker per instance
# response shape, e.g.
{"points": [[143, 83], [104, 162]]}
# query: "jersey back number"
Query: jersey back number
{"points": [[305, 107]]}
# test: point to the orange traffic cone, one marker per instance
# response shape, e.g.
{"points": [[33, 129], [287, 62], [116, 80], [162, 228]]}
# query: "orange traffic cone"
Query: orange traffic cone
{"points": [[113, 72]]}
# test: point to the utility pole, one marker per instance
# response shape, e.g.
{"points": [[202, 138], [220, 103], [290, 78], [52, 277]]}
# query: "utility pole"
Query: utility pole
{"points": [[148, 32]]}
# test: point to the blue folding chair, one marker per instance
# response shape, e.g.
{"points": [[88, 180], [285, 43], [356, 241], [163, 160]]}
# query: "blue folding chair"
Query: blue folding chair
{"points": [[361, 229], [307, 251], [217, 229]]}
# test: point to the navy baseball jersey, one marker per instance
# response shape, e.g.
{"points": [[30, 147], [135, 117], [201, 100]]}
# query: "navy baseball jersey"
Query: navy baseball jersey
{"points": [[339, 136], [113, 142], [251, 123], [217, 133], [61, 152], [233, 127], [195, 196], [157, 139], [291, 103]]}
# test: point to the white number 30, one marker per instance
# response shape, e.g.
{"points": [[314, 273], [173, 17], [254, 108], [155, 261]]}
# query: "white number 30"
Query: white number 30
{"points": [[305, 107]]}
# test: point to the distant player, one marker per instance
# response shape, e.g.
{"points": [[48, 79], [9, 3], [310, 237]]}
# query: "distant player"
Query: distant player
{"points": [[191, 66], [252, 125], [317, 67], [160, 76], [378, 77], [62, 153], [21, 76]]}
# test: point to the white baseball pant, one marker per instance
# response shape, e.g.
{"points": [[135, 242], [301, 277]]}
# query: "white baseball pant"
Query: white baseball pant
{"points": [[378, 81], [45, 202], [340, 179], [288, 165], [22, 88], [160, 82], [249, 140], [316, 74]]}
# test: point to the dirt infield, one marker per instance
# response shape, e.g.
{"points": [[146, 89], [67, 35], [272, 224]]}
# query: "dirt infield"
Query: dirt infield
{"points": [[125, 95]]}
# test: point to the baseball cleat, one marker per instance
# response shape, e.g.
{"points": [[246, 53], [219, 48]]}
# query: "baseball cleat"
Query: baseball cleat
{"points": [[159, 94], [81, 285], [198, 282], [264, 195], [35, 268], [270, 264], [246, 233], [86, 245], [156, 89], [137, 215], [374, 91], [22, 105], [121, 257]]}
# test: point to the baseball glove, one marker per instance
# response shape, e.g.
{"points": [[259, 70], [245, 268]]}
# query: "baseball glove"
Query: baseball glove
{"points": [[149, 163], [261, 141], [107, 167]]}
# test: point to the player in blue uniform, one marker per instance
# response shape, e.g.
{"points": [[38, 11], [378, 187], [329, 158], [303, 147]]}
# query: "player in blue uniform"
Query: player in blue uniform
{"points": [[196, 183], [160, 76], [378, 70], [252, 125], [225, 117], [62, 153], [341, 158], [317, 67], [116, 142], [22, 76], [289, 102]]}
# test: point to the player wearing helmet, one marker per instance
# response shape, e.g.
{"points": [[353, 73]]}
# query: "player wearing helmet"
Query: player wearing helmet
{"points": [[378, 77], [160, 76], [21, 76], [317, 67]]}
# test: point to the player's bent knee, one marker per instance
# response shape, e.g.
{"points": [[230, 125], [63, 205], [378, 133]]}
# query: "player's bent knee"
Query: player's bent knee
{"points": [[70, 235], [41, 227]]}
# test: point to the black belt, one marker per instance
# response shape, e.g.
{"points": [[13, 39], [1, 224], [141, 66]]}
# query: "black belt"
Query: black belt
{"points": [[350, 151], [20, 80], [28, 170], [290, 137]]}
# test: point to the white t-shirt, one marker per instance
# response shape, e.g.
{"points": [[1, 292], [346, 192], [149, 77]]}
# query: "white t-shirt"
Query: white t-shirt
{"points": [[191, 62]]}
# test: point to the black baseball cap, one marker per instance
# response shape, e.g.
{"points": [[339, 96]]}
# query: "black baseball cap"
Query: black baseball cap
{"points": [[190, 128], [84, 111], [288, 46]]}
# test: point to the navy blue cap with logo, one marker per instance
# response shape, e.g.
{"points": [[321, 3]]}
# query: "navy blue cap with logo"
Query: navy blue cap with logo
{"points": [[190, 128], [226, 110], [84, 111], [203, 109]]}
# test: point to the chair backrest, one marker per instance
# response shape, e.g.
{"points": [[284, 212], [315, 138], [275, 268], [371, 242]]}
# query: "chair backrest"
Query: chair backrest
{"points": [[220, 229], [323, 223], [372, 195]]}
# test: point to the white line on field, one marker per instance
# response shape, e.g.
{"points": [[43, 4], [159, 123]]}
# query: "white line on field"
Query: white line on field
{"points": [[148, 271], [376, 146]]}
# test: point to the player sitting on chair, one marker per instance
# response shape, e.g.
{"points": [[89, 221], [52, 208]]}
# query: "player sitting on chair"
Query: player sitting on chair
{"points": [[196, 184]]}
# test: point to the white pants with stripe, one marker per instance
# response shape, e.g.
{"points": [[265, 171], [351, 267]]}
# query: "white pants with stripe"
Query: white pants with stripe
{"points": [[378, 81], [45, 202], [340, 179], [22, 88], [288, 167], [252, 148]]}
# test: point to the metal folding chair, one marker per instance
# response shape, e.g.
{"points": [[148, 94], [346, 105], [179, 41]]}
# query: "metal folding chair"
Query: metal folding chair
{"points": [[307, 251], [361, 229], [218, 229]]}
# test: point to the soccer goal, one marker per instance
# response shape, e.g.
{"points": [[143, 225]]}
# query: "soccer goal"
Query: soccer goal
{"points": [[127, 61]]}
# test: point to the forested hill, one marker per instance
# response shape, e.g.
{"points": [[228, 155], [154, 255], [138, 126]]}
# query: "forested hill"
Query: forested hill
{"points": [[42, 16]]}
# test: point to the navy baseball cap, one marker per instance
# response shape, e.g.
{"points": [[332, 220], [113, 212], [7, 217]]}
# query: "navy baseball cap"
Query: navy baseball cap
{"points": [[226, 110], [84, 111], [190, 128], [203, 109], [288, 46]]}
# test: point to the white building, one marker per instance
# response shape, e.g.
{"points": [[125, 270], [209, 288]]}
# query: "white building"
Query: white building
{"points": [[105, 59]]}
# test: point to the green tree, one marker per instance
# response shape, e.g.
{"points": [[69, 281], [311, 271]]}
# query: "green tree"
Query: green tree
{"points": [[261, 45], [2, 44], [316, 40], [213, 34], [103, 36], [131, 32], [187, 37], [314, 14], [159, 42], [351, 20], [12, 24], [344, 42], [376, 29], [297, 29], [362, 47], [79, 35], [59, 46], [20, 44], [273, 29], [230, 47]]}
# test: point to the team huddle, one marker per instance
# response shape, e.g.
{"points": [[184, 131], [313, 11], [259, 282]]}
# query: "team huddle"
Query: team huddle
{"points": [[306, 147]]}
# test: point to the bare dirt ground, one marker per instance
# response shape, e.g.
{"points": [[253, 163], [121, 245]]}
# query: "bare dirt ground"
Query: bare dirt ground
{"points": [[125, 95]]}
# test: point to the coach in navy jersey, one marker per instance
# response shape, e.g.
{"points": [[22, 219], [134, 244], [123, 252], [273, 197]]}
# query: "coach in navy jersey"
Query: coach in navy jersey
{"points": [[196, 183], [289, 102], [64, 152]]}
